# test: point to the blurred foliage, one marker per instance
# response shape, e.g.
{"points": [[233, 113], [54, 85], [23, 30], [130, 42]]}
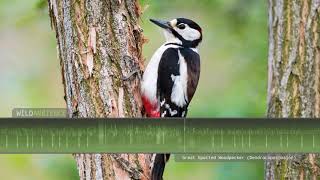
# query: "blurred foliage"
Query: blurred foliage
{"points": [[42, 4], [233, 79]]}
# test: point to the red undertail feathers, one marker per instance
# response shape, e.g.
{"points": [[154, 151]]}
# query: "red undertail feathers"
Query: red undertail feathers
{"points": [[151, 108]]}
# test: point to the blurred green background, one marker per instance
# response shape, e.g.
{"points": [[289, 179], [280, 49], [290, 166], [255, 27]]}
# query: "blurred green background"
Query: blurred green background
{"points": [[233, 79]]}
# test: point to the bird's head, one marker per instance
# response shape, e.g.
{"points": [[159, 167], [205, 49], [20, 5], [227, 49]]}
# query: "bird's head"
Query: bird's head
{"points": [[182, 31]]}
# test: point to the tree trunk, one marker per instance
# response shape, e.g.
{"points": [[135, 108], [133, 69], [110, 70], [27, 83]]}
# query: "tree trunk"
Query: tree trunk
{"points": [[294, 75], [99, 46]]}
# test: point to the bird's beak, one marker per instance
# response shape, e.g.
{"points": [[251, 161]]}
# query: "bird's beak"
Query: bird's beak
{"points": [[163, 24]]}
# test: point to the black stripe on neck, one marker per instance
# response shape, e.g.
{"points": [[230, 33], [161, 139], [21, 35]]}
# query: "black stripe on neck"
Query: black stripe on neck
{"points": [[174, 44]]}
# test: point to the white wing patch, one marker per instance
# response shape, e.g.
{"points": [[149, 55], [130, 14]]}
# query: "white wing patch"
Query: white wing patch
{"points": [[179, 89]]}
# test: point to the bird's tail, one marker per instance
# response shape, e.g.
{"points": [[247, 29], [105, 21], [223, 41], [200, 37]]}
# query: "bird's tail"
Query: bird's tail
{"points": [[159, 160], [159, 164]]}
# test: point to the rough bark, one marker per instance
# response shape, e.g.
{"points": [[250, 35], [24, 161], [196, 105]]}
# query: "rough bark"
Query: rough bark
{"points": [[294, 75], [99, 47]]}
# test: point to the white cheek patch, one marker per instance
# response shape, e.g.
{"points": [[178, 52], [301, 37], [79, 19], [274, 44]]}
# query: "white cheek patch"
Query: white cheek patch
{"points": [[188, 33]]}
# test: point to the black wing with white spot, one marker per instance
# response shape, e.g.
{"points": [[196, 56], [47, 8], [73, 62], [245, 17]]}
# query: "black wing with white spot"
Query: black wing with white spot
{"points": [[168, 73]]}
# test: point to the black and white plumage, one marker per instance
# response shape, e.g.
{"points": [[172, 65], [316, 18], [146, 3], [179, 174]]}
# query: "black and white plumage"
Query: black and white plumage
{"points": [[178, 75], [171, 77]]}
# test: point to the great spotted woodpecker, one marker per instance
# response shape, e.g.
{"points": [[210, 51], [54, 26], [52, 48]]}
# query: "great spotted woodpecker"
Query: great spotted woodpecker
{"points": [[171, 77]]}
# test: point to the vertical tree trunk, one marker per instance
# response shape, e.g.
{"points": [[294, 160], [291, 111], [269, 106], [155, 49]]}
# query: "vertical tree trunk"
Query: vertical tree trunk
{"points": [[294, 75], [99, 44]]}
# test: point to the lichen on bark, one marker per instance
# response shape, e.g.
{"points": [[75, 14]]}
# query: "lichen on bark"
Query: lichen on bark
{"points": [[293, 79], [293, 58]]}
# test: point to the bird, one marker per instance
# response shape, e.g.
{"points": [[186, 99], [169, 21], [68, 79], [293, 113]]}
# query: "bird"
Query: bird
{"points": [[171, 77]]}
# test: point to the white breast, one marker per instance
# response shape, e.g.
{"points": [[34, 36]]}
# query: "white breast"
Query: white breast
{"points": [[150, 76]]}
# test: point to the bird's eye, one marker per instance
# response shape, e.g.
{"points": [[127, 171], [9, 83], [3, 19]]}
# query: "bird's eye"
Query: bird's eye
{"points": [[181, 26]]}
